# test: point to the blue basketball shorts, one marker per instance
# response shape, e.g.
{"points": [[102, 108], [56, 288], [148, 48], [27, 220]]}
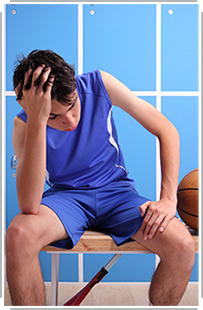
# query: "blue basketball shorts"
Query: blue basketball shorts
{"points": [[112, 209]]}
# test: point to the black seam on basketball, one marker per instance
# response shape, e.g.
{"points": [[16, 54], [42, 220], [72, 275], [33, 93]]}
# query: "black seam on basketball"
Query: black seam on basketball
{"points": [[188, 189], [187, 212]]}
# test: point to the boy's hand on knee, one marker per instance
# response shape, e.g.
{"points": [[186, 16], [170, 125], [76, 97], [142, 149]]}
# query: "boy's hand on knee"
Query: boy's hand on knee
{"points": [[157, 215]]}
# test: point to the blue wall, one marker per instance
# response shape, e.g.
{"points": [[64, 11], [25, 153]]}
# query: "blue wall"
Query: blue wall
{"points": [[120, 39]]}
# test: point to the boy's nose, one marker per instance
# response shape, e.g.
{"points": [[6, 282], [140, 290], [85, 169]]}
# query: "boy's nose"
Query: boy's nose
{"points": [[68, 120]]}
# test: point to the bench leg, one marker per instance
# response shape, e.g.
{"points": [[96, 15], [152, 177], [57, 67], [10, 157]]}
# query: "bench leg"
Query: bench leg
{"points": [[54, 278]]}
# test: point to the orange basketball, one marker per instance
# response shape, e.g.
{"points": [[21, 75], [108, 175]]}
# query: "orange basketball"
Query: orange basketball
{"points": [[188, 199]]}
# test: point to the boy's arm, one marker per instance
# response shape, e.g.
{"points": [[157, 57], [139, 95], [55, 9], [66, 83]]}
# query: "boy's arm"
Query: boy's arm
{"points": [[161, 212], [29, 142], [29, 147]]}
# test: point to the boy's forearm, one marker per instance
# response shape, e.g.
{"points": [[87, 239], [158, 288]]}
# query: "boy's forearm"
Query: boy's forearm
{"points": [[169, 153], [31, 172]]}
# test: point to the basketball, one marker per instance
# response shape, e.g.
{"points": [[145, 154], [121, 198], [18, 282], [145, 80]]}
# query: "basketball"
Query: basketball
{"points": [[188, 199]]}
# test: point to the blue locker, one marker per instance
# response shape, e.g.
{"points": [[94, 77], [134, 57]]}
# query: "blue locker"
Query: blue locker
{"points": [[40, 26], [121, 39], [180, 47], [183, 112], [129, 267]]}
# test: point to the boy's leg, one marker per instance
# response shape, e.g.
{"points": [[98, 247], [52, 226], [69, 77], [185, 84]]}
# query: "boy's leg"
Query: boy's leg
{"points": [[176, 248], [26, 236]]}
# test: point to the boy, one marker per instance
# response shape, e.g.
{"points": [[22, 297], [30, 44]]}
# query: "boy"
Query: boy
{"points": [[66, 132]]}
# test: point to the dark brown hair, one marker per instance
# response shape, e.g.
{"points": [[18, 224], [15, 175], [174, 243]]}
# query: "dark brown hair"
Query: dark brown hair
{"points": [[64, 74]]}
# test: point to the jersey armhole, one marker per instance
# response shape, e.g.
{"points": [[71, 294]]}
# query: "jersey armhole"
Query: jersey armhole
{"points": [[104, 88]]}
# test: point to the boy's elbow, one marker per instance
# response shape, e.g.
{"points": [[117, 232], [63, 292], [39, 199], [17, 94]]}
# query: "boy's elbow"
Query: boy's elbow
{"points": [[170, 131], [29, 208]]}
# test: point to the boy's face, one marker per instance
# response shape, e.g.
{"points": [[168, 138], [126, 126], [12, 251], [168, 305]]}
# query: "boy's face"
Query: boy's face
{"points": [[65, 117]]}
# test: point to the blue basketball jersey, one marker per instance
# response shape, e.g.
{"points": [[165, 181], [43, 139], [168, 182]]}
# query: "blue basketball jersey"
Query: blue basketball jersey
{"points": [[89, 156]]}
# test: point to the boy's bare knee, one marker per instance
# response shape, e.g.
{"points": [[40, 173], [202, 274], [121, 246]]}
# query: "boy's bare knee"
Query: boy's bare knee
{"points": [[181, 252], [187, 252], [21, 236]]}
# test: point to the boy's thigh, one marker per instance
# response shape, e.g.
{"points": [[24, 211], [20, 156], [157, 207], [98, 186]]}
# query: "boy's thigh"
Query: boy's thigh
{"points": [[54, 229], [76, 210], [165, 243], [43, 228]]}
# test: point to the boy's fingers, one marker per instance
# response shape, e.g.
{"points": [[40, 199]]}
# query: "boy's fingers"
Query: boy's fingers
{"points": [[27, 76], [45, 80], [45, 75], [50, 83], [164, 224], [36, 74]]}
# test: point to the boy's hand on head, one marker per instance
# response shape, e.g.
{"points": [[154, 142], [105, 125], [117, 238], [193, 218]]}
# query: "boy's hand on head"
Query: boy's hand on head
{"points": [[36, 99], [157, 215]]}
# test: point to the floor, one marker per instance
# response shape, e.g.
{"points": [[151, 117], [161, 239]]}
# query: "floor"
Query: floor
{"points": [[113, 295]]}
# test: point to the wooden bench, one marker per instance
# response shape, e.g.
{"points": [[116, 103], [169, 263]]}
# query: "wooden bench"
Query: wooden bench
{"points": [[94, 242]]}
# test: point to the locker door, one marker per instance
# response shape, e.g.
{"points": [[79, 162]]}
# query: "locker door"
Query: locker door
{"points": [[121, 40], [180, 37], [40, 26], [184, 114]]}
